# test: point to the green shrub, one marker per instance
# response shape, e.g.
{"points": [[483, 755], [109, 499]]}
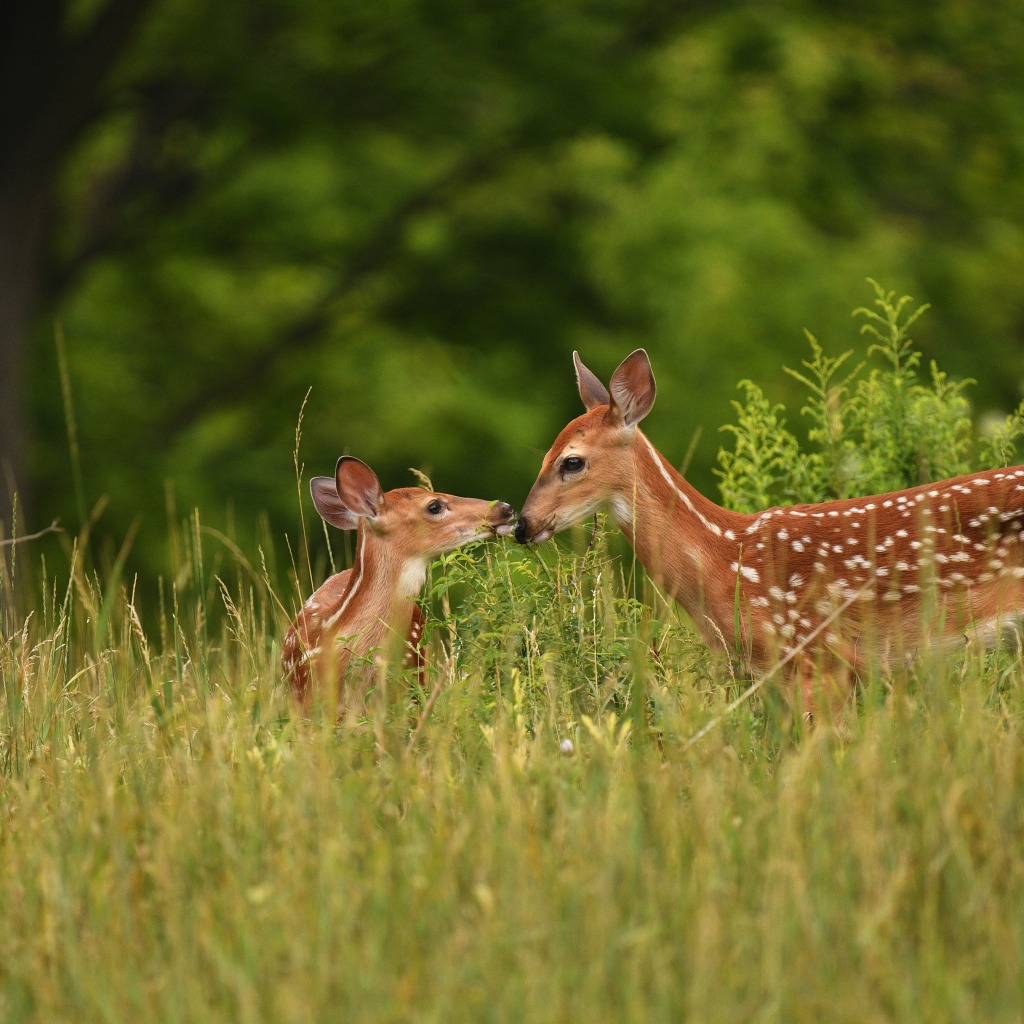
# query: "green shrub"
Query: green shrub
{"points": [[866, 433]]}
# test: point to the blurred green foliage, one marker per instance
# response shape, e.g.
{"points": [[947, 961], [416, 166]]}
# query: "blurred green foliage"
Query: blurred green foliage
{"points": [[419, 208]]}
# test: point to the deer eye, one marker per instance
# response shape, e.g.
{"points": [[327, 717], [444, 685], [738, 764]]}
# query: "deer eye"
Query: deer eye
{"points": [[435, 507], [573, 464]]}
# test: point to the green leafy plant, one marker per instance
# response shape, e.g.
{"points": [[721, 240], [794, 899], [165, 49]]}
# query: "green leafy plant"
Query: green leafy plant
{"points": [[866, 434]]}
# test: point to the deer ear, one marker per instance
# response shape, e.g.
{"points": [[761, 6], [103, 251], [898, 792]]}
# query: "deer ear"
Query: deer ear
{"points": [[592, 391], [632, 389], [358, 487], [329, 505]]}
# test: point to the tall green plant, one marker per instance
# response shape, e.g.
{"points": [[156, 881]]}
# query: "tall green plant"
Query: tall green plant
{"points": [[891, 429]]}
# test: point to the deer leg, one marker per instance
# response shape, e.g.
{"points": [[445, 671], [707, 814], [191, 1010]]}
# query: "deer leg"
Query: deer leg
{"points": [[825, 692]]}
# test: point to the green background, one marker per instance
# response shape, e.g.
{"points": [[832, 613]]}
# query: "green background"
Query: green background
{"points": [[418, 210]]}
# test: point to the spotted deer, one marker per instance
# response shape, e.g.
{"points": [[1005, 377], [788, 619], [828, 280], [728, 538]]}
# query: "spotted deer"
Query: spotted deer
{"points": [[369, 612], [829, 590]]}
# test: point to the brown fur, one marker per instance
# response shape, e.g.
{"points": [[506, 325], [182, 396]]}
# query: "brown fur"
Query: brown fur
{"points": [[832, 588], [366, 617], [307, 633]]}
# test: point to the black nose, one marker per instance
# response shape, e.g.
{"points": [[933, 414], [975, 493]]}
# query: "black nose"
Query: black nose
{"points": [[505, 510], [522, 530]]}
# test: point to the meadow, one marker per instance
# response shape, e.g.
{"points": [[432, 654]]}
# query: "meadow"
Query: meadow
{"points": [[177, 845], [571, 821]]}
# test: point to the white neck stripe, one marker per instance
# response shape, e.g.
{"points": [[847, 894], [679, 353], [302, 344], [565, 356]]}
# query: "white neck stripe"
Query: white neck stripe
{"points": [[713, 527], [357, 578]]}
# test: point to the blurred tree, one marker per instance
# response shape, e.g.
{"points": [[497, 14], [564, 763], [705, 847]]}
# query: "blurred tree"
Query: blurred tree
{"points": [[420, 207], [53, 66], [809, 149], [368, 200]]}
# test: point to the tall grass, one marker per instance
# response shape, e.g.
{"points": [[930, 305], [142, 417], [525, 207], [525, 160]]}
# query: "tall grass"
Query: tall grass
{"points": [[177, 845]]}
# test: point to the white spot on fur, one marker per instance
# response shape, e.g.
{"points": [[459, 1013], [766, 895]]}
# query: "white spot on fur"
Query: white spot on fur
{"points": [[746, 571]]}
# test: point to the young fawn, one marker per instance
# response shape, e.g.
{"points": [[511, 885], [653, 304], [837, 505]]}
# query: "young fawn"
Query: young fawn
{"points": [[827, 589], [370, 610]]}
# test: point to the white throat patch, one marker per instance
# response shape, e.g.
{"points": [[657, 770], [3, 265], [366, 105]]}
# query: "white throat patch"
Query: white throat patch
{"points": [[410, 581]]}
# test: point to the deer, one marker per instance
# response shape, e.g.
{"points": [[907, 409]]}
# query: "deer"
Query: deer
{"points": [[819, 593], [367, 616]]}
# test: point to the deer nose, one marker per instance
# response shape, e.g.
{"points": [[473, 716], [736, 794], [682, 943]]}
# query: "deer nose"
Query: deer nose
{"points": [[522, 530], [505, 510]]}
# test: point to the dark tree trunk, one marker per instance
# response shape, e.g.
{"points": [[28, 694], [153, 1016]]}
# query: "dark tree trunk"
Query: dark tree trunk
{"points": [[24, 207], [50, 84]]}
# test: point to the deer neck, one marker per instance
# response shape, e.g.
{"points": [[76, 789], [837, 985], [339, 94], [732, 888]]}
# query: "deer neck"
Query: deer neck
{"points": [[689, 545], [378, 604]]}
